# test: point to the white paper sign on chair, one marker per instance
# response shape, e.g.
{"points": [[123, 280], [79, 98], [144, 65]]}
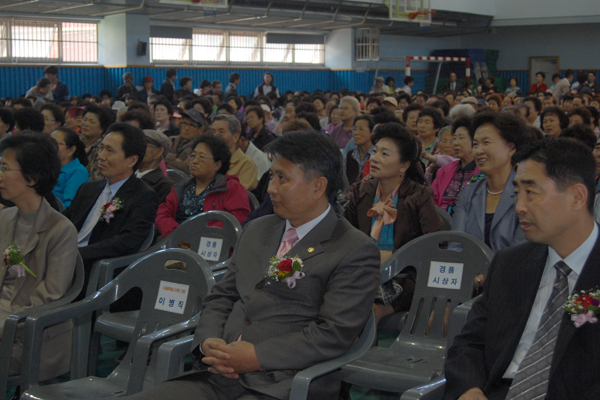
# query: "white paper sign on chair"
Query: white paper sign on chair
{"points": [[210, 248], [445, 275], [172, 297]]}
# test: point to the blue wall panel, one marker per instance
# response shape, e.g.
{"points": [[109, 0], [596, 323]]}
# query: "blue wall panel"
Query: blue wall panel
{"points": [[16, 81]]}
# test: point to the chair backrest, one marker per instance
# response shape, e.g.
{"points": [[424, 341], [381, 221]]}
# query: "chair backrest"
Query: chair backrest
{"points": [[176, 175], [447, 218], [253, 201], [445, 279], [171, 294], [214, 243]]}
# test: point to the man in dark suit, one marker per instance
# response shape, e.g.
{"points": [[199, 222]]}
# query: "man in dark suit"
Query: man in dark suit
{"points": [[113, 217], [453, 85], [157, 146], [257, 332], [231, 90], [167, 88], [519, 342]]}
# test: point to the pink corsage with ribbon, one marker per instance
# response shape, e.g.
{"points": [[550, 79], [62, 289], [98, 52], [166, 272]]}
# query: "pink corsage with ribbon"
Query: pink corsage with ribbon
{"points": [[108, 210], [13, 259], [584, 307], [287, 269]]}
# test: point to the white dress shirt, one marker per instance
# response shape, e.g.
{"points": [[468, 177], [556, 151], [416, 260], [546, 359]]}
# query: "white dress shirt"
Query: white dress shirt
{"points": [[576, 260], [303, 229]]}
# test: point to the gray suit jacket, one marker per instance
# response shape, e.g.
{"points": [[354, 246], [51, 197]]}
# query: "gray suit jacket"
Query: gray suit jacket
{"points": [[51, 253], [469, 215], [293, 329]]}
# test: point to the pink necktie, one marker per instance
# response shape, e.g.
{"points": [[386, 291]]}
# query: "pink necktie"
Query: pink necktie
{"points": [[288, 241]]}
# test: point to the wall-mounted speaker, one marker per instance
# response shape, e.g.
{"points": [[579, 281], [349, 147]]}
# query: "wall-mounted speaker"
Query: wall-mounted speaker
{"points": [[142, 48]]}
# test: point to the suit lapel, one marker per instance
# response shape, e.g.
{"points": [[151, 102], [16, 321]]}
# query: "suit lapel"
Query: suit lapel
{"points": [[525, 289], [93, 191], [479, 205], [588, 280], [122, 194], [506, 201], [310, 245], [270, 249]]}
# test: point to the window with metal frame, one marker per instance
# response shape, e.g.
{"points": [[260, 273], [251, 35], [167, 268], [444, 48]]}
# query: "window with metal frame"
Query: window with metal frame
{"points": [[207, 46], [59, 42], [366, 42]]}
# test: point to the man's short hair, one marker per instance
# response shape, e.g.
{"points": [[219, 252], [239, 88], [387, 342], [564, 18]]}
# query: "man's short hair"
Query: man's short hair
{"points": [[234, 76], [171, 72], [568, 73], [134, 140], [127, 75], [581, 132], [43, 83], [51, 70], [585, 115], [234, 124], [510, 127], [29, 119], [142, 118], [311, 118], [316, 154], [219, 149], [408, 80], [566, 162], [6, 115], [183, 81], [562, 117], [57, 112], [537, 103], [215, 83], [37, 155]]}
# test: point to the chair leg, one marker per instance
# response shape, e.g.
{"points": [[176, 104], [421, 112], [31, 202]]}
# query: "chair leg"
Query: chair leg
{"points": [[94, 353]]}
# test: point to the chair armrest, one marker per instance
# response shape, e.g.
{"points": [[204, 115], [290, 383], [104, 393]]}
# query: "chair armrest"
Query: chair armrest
{"points": [[434, 390], [144, 345], [10, 331], [459, 319], [302, 380], [37, 321], [169, 358], [108, 266]]}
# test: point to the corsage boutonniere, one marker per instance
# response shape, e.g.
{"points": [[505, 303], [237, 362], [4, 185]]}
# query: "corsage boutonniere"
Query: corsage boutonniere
{"points": [[108, 210], [13, 258], [584, 307], [287, 269]]}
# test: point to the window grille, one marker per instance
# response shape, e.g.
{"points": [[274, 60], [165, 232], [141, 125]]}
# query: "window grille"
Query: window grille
{"points": [[366, 44], [48, 41]]}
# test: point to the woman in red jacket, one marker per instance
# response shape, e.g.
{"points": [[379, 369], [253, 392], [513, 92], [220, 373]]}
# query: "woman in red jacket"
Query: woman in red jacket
{"points": [[209, 188]]}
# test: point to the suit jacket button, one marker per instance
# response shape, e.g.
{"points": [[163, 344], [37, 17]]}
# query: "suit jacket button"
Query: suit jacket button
{"points": [[248, 321]]}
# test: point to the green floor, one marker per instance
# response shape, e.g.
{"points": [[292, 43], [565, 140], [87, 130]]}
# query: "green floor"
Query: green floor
{"points": [[111, 350]]}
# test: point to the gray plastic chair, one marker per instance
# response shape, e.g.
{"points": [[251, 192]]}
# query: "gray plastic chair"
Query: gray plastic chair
{"points": [[170, 363], [10, 326], [434, 390], [417, 356], [159, 285], [176, 175], [254, 204], [447, 218]]}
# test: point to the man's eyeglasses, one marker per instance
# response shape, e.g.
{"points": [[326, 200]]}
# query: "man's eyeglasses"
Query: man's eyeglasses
{"points": [[189, 125]]}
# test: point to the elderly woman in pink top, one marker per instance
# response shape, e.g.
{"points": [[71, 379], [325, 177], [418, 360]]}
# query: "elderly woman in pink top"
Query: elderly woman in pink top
{"points": [[452, 178]]}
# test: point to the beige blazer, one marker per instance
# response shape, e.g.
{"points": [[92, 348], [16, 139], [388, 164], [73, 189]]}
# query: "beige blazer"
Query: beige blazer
{"points": [[51, 253]]}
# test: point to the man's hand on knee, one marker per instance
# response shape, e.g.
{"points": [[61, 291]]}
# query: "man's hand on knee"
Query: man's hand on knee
{"points": [[217, 358], [243, 357], [473, 394]]}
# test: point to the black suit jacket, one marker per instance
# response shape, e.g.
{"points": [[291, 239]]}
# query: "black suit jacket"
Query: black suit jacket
{"points": [[483, 351], [459, 87], [168, 90], [159, 183], [126, 231]]}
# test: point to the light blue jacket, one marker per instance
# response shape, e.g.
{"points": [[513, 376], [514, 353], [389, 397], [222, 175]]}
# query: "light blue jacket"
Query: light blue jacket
{"points": [[469, 215], [72, 175]]}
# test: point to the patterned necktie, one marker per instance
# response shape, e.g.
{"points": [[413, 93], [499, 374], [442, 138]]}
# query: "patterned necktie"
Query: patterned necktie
{"points": [[94, 215], [288, 241], [531, 380]]}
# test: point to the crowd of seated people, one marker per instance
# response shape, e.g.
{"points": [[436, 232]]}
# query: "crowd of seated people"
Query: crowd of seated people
{"points": [[404, 153]]}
